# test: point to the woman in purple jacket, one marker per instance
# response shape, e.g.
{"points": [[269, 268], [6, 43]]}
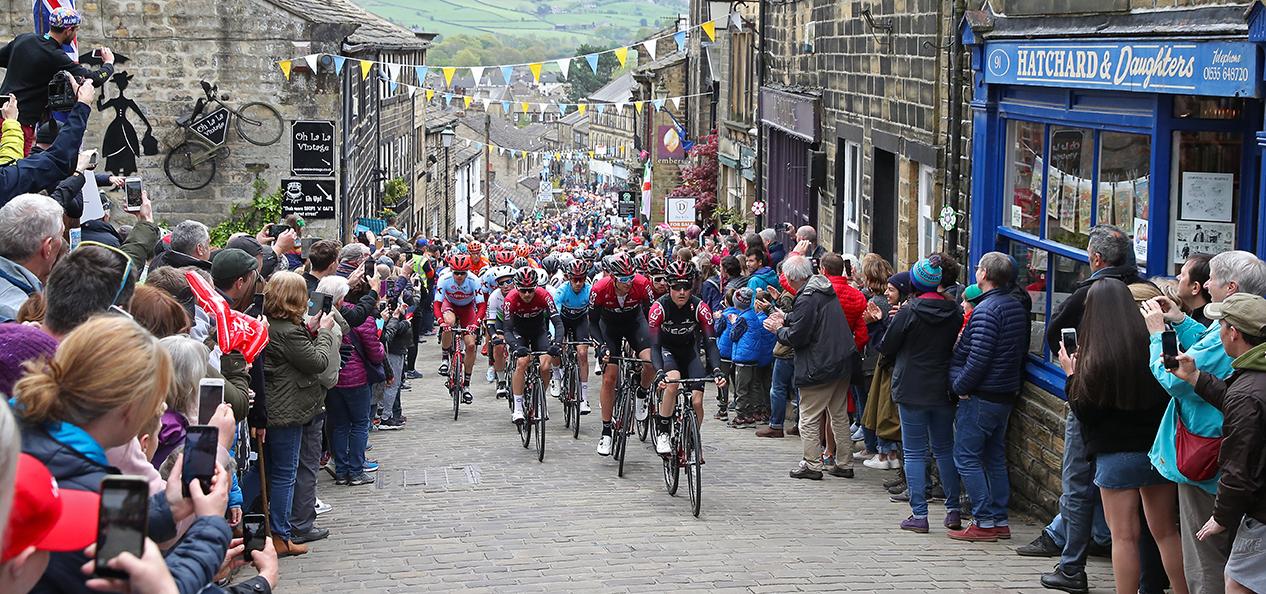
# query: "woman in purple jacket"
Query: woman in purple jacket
{"points": [[348, 402]]}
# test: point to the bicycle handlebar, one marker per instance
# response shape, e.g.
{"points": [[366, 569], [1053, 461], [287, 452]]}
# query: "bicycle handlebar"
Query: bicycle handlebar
{"points": [[634, 359], [686, 380]]}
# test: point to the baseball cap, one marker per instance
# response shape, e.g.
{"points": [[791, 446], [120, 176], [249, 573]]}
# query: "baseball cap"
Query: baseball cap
{"points": [[246, 243], [1245, 311], [232, 263], [45, 516]]}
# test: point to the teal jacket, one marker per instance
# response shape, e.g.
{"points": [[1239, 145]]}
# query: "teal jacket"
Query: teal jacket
{"points": [[1199, 417]]}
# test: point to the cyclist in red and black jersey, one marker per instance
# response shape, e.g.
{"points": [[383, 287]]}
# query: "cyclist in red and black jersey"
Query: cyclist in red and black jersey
{"points": [[678, 322], [657, 272], [527, 312], [619, 304]]}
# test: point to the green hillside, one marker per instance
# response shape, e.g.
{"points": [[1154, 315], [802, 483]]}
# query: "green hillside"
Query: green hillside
{"points": [[566, 22]]}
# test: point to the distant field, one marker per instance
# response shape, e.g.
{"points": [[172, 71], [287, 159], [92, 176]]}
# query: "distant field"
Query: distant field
{"points": [[520, 17]]}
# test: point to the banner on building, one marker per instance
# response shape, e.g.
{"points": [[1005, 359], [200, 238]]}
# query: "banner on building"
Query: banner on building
{"points": [[312, 148], [308, 198], [671, 149]]}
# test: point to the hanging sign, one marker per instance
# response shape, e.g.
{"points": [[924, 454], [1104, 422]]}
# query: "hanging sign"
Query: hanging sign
{"points": [[312, 148], [213, 126], [1217, 68], [308, 198]]}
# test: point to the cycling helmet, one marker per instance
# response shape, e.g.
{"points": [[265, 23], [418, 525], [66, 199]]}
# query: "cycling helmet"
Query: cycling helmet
{"points": [[505, 257], [460, 248], [639, 262], [550, 264], [500, 272], [523, 251], [526, 278], [521, 263], [576, 269], [590, 255], [620, 266], [459, 262], [475, 247], [657, 265], [539, 252], [681, 273]]}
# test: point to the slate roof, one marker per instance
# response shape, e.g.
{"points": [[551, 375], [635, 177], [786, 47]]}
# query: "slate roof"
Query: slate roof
{"points": [[373, 30], [619, 90], [574, 118], [503, 132]]}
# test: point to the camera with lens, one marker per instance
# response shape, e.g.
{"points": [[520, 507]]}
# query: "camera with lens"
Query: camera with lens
{"points": [[61, 94]]}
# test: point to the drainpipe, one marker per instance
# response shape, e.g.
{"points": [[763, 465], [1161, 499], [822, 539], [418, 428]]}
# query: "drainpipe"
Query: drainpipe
{"points": [[955, 128], [760, 126]]}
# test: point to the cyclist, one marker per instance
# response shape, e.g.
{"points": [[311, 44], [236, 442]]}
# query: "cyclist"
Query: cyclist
{"points": [[678, 322], [552, 273], [527, 311], [477, 258], [572, 299], [463, 303], [618, 308], [656, 270], [504, 281]]}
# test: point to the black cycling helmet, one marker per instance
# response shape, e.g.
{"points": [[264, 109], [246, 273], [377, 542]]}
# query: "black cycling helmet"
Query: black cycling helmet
{"points": [[526, 278], [657, 265], [520, 262], [590, 255], [550, 264], [576, 269], [680, 273], [639, 261], [619, 266]]}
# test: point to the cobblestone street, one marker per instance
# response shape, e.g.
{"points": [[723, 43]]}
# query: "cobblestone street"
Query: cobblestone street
{"points": [[463, 506]]}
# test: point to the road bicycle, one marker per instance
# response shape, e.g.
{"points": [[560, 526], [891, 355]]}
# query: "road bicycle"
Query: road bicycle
{"points": [[199, 139], [534, 413], [622, 423], [456, 366], [570, 394], [687, 446]]}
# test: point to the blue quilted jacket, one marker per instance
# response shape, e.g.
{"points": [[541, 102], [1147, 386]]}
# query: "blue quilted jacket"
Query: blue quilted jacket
{"points": [[989, 358], [753, 344], [721, 327]]}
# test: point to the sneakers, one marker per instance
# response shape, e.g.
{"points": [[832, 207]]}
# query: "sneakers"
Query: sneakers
{"points": [[322, 507], [643, 407], [858, 435], [954, 520], [466, 397], [876, 463], [312, 534], [491, 376], [443, 370], [362, 479], [604, 445], [898, 481], [502, 392], [840, 472], [413, 375], [371, 466], [974, 533], [663, 443], [391, 425], [769, 432], [935, 492], [555, 387], [584, 407], [804, 472], [903, 497], [863, 455], [341, 480], [914, 524], [894, 462], [516, 416], [743, 423], [722, 414], [1058, 580]]}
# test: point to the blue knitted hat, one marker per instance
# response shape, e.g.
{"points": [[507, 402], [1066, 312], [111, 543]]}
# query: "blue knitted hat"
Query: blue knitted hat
{"points": [[901, 281], [926, 274]]}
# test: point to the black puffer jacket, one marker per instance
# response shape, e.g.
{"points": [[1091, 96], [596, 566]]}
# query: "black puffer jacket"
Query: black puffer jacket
{"points": [[920, 339], [817, 329], [1070, 312]]}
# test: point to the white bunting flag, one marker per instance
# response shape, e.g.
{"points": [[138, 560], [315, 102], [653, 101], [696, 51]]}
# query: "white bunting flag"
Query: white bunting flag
{"points": [[478, 73], [393, 71], [650, 48], [565, 65], [677, 102], [312, 62]]}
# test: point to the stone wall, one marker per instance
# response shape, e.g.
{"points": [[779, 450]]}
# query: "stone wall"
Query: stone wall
{"points": [[171, 46], [1035, 452]]}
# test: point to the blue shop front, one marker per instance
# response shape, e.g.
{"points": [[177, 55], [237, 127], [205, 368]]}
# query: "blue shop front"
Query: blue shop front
{"points": [[1158, 134]]}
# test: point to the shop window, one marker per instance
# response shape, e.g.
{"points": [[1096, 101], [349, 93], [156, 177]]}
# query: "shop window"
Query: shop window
{"points": [[1027, 142], [1205, 192], [1069, 204], [1125, 166], [1209, 108], [1031, 274]]}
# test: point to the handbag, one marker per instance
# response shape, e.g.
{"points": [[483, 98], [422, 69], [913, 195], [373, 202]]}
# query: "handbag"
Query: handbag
{"points": [[374, 372], [1197, 455]]}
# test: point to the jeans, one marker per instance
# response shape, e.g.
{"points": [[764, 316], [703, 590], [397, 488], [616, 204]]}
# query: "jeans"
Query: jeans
{"points": [[860, 394], [281, 461], [348, 410], [303, 508], [391, 398], [1098, 528], [780, 389], [981, 456], [923, 427], [1077, 504]]}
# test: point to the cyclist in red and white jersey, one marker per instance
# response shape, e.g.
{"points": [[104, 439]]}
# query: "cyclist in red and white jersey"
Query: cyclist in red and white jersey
{"points": [[528, 311], [619, 305], [462, 303]]}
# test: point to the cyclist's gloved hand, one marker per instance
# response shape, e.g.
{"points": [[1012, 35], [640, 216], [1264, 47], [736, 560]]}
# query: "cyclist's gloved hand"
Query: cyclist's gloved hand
{"points": [[603, 351], [498, 340], [554, 351], [659, 378], [522, 352], [718, 374]]}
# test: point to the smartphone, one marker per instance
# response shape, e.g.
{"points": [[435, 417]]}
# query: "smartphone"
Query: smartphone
{"points": [[258, 303], [92, 160], [132, 187], [275, 231], [200, 450], [122, 521], [96, 53], [848, 268], [1169, 349], [1070, 339], [76, 236], [210, 397], [305, 244], [318, 302], [254, 532], [369, 268]]}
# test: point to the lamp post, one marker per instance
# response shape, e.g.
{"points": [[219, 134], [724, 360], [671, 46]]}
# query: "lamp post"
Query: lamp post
{"points": [[446, 138]]}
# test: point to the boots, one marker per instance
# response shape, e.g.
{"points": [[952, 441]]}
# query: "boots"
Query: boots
{"points": [[285, 547]]}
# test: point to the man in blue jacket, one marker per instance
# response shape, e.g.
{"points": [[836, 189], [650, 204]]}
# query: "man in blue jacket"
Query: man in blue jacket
{"points": [[45, 169], [986, 374]]}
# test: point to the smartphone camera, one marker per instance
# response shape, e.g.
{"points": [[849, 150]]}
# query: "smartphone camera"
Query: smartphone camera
{"points": [[199, 462], [254, 532], [210, 397], [1169, 349], [1069, 335], [132, 188], [122, 521]]}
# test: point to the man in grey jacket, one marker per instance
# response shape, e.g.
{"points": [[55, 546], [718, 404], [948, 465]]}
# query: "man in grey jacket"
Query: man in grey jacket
{"points": [[28, 249], [823, 342]]}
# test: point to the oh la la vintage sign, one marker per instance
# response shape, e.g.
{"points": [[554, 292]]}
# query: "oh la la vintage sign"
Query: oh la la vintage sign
{"points": [[1217, 68]]}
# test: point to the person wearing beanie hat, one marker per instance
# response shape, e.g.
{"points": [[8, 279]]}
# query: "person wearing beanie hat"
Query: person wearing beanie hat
{"points": [[18, 344], [920, 339]]}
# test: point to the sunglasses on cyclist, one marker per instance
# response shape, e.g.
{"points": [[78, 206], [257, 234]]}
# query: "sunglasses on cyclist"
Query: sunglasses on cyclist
{"points": [[457, 272], [625, 279], [508, 281], [680, 287], [658, 279]]}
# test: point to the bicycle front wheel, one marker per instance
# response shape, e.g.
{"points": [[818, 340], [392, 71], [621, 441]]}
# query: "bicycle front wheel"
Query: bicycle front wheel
{"points": [[672, 470], [190, 166], [259, 123], [624, 415], [538, 416], [693, 447], [455, 380]]}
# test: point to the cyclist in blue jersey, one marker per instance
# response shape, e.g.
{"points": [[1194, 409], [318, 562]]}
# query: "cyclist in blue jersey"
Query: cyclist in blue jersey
{"points": [[461, 302], [572, 299]]}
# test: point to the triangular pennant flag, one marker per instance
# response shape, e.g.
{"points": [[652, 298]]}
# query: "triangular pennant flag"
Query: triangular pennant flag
{"points": [[536, 71], [285, 68], [659, 104], [677, 102], [565, 65], [601, 107], [412, 90], [365, 65], [448, 75], [505, 107], [393, 71], [311, 60], [736, 18], [506, 73], [501, 150], [486, 102], [467, 141], [478, 73], [680, 38], [448, 99], [429, 94], [593, 62], [338, 64], [622, 54], [710, 28], [619, 107], [638, 106], [421, 71], [525, 107], [582, 107], [391, 86], [467, 100], [649, 46]]}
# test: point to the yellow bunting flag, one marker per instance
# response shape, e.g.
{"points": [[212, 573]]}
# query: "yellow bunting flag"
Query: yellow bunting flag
{"points": [[622, 54], [710, 28], [285, 68], [467, 99], [430, 93], [582, 107], [526, 109], [536, 71], [448, 75], [365, 65]]}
